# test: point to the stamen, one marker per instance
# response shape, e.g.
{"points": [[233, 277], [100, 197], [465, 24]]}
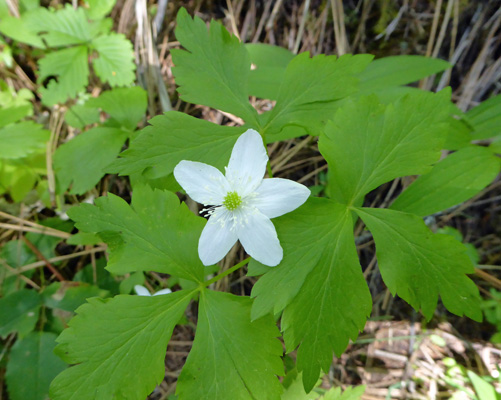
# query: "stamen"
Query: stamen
{"points": [[232, 201]]}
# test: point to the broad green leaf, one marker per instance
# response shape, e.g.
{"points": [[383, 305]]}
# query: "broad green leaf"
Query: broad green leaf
{"points": [[484, 390], [232, 357], [98, 9], [295, 390], [419, 265], [154, 233], [64, 27], [368, 144], [28, 5], [125, 106], [319, 284], [175, 136], [19, 312], [15, 253], [81, 115], [69, 297], [308, 94], [119, 347], [115, 61], [72, 71], [9, 115], [80, 162], [214, 68], [486, 118], [20, 30], [350, 393], [452, 181], [459, 134], [32, 365], [398, 70], [21, 139], [268, 69]]}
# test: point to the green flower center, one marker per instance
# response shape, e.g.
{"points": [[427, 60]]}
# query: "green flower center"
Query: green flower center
{"points": [[232, 201]]}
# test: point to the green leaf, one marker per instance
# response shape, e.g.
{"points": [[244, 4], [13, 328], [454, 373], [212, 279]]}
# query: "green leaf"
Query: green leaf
{"points": [[231, 357], [350, 393], [309, 92], [64, 27], [215, 68], [99, 8], [81, 115], [319, 283], [459, 134], [368, 144], [106, 338], [484, 390], [9, 115], [452, 181], [69, 297], [19, 312], [81, 161], [72, 71], [115, 64], [20, 30], [419, 265], [125, 106], [486, 118], [154, 233], [399, 70], [21, 139], [295, 390], [175, 136], [32, 366], [269, 64]]}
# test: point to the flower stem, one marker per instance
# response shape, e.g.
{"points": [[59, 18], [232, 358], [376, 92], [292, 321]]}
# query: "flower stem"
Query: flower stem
{"points": [[270, 172], [227, 272]]}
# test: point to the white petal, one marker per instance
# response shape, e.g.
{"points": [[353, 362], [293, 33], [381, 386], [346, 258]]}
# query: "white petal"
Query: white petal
{"points": [[259, 239], [203, 183], [247, 164], [142, 291], [277, 196], [163, 291], [217, 238]]}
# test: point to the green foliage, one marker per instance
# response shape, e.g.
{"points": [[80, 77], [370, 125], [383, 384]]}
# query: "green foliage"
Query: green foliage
{"points": [[173, 137], [398, 70], [319, 286], [81, 161], [420, 265], [22, 139], [99, 8], [484, 390], [214, 68], [19, 312], [486, 118], [309, 93], [32, 366], [107, 337], [154, 233], [453, 180], [367, 144], [231, 357]]}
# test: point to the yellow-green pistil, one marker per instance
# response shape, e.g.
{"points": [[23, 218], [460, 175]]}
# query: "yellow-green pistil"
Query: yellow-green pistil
{"points": [[232, 200]]}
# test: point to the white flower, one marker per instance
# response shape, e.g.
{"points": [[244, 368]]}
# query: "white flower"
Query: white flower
{"points": [[242, 202], [142, 291]]}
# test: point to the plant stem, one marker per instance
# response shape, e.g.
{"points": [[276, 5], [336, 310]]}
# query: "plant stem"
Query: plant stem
{"points": [[227, 272]]}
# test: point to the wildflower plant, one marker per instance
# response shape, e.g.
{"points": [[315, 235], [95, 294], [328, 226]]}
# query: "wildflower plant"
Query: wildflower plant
{"points": [[370, 131]]}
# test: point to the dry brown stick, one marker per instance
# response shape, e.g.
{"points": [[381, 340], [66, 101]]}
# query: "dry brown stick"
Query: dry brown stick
{"points": [[434, 26], [33, 224], [306, 9], [21, 276], [60, 234], [41, 257], [233, 22], [488, 278], [37, 264]]}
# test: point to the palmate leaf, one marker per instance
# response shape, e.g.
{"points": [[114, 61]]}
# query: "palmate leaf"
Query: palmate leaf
{"points": [[419, 265], [20, 30], [119, 346], [232, 357], [72, 71], [32, 357], [21, 139], [154, 233], [309, 92], [319, 284], [368, 144], [173, 137], [115, 61], [453, 180], [64, 27], [214, 68], [81, 161]]}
